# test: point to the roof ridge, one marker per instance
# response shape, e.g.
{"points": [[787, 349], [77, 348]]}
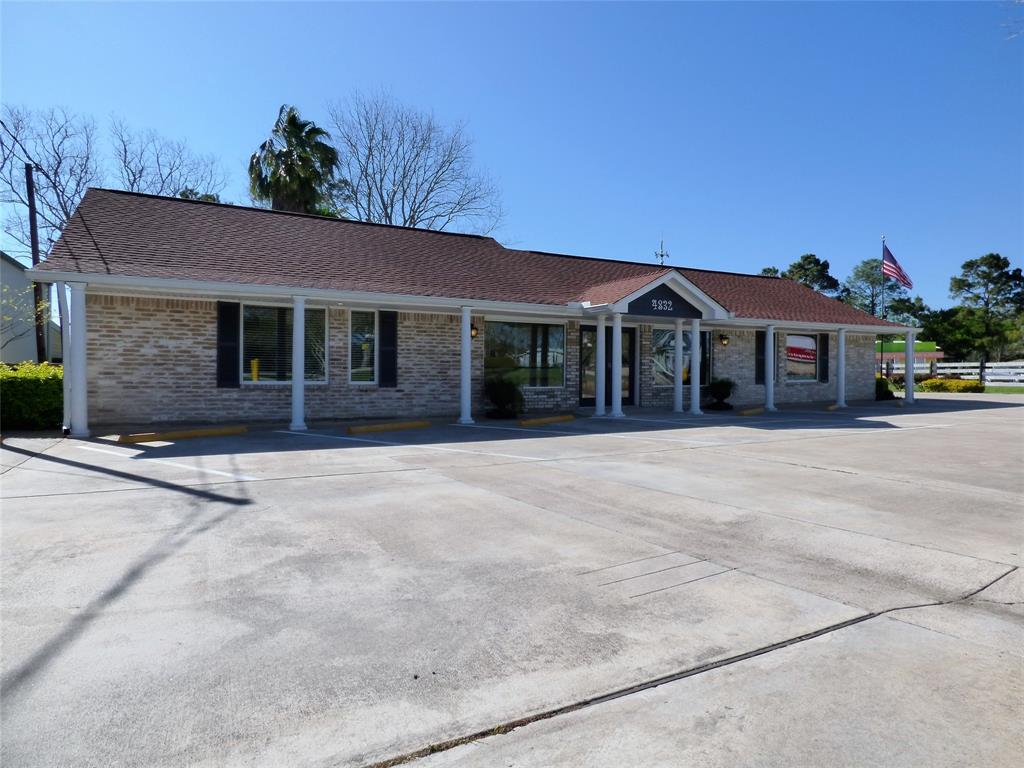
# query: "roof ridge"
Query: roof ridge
{"points": [[589, 258], [647, 264], [257, 209], [737, 274]]}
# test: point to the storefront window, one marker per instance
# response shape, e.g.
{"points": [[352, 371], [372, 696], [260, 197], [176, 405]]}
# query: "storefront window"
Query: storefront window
{"points": [[801, 358], [267, 344], [529, 354], [663, 356]]}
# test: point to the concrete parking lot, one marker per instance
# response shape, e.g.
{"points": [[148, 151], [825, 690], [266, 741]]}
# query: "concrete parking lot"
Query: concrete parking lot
{"points": [[800, 588]]}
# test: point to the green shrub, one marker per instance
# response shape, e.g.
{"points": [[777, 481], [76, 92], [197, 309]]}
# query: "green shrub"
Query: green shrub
{"points": [[882, 390], [951, 385], [31, 396], [899, 380], [505, 397]]}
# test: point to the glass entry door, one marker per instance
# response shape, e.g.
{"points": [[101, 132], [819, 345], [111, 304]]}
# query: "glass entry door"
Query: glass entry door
{"points": [[588, 365]]}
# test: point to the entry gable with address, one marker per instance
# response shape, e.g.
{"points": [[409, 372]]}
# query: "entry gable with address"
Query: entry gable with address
{"points": [[662, 301]]}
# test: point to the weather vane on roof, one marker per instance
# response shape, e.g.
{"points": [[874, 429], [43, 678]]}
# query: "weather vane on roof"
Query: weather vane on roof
{"points": [[660, 254]]}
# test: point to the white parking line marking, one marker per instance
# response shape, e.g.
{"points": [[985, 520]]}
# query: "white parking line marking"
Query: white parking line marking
{"points": [[521, 429], [624, 436], [336, 437], [120, 455], [411, 445]]}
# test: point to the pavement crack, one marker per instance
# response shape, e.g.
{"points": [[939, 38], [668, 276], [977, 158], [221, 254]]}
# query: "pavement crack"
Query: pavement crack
{"points": [[511, 725]]}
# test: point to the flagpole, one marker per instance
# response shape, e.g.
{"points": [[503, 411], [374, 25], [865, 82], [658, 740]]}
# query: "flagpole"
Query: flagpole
{"points": [[881, 311]]}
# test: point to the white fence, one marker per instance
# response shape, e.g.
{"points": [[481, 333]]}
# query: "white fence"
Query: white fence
{"points": [[995, 373]]}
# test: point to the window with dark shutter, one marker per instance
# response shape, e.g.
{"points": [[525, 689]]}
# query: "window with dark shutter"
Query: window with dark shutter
{"points": [[387, 360], [228, 336], [759, 340], [823, 358]]}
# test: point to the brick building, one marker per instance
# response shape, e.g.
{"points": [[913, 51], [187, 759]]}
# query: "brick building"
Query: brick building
{"points": [[191, 311]]}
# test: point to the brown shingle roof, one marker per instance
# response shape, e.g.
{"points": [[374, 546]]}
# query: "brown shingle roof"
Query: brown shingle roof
{"points": [[135, 235], [775, 298]]}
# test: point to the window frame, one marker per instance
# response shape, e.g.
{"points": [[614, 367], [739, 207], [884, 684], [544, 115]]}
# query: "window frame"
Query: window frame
{"points": [[530, 321], [286, 382], [376, 348], [786, 379], [711, 355]]}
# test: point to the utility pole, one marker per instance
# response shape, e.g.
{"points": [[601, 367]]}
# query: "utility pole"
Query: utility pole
{"points": [[37, 288]]}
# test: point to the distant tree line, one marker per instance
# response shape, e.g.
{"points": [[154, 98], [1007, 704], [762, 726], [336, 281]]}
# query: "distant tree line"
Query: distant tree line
{"points": [[987, 323]]}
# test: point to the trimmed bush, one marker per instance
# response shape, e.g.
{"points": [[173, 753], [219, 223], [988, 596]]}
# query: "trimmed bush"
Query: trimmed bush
{"points": [[882, 391], [899, 380], [951, 385], [505, 398], [31, 396]]}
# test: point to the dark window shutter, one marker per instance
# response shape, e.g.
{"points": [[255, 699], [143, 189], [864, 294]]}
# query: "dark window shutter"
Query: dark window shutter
{"points": [[823, 358], [759, 338], [705, 357], [229, 314], [387, 353]]}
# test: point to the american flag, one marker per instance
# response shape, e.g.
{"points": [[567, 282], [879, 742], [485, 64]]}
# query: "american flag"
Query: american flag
{"points": [[892, 268]]}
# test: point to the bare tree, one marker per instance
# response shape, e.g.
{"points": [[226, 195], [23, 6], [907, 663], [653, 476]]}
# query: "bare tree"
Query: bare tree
{"points": [[62, 147], [144, 161], [403, 167]]}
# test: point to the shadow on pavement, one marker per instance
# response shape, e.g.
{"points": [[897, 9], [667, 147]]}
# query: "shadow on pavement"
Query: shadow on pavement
{"points": [[638, 421], [200, 518], [130, 476]]}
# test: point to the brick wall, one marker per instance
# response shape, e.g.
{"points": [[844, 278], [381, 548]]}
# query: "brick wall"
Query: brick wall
{"points": [[154, 360], [736, 362]]}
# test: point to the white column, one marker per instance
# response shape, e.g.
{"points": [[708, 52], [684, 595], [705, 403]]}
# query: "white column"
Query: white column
{"points": [[65, 350], [677, 368], [841, 368], [298, 363], [599, 365], [79, 391], [616, 365], [769, 368], [908, 369], [466, 370], [695, 367]]}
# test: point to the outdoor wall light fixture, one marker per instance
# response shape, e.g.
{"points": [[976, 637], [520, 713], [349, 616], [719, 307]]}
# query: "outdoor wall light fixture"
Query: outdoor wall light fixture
{"points": [[472, 330], [723, 339]]}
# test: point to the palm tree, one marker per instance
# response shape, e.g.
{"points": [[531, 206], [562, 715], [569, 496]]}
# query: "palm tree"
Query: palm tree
{"points": [[294, 166]]}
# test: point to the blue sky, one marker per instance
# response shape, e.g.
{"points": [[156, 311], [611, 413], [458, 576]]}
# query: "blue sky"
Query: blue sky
{"points": [[745, 134]]}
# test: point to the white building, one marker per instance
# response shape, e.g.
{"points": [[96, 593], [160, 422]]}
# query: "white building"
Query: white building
{"points": [[17, 335]]}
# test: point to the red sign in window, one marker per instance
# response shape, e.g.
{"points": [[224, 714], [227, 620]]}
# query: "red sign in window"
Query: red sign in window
{"points": [[801, 354]]}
